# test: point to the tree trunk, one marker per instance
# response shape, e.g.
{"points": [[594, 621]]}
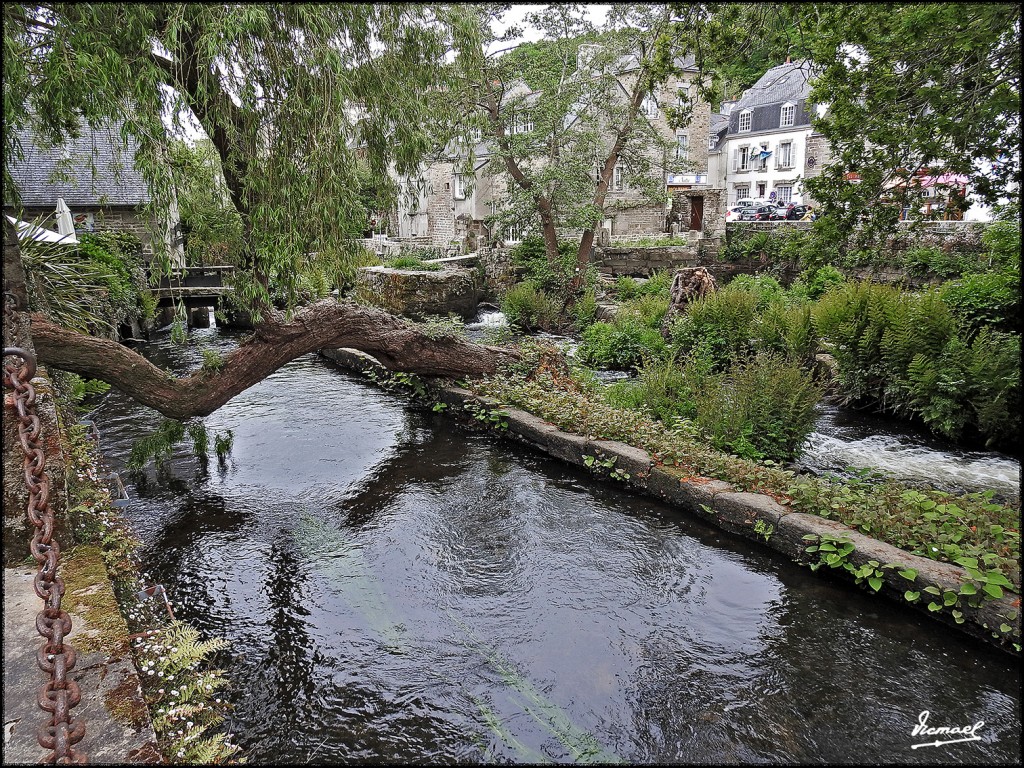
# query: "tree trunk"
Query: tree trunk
{"points": [[399, 345]]}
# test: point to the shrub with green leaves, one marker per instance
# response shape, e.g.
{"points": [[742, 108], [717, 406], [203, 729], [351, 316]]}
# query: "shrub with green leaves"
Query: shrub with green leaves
{"points": [[628, 339], [764, 407], [527, 306], [721, 322]]}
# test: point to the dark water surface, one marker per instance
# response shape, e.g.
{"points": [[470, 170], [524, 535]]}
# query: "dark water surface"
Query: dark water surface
{"points": [[398, 590]]}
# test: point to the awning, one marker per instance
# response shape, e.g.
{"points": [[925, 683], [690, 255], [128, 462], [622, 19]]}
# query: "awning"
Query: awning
{"points": [[28, 231]]}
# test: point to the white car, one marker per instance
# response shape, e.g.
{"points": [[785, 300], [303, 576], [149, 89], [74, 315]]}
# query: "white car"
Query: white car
{"points": [[733, 214]]}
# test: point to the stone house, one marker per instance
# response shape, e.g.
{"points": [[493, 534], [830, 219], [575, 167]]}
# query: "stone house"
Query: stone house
{"points": [[449, 207], [106, 194], [765, 145]]}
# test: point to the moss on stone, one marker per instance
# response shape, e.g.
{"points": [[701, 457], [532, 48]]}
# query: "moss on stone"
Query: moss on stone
{"points": [[90, 596]]}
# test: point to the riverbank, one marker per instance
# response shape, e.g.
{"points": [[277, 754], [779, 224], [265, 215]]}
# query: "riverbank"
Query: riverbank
{"points": [[942, 591]]}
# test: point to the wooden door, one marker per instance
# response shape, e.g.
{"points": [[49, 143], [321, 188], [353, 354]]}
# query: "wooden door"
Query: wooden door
{"points": [[696, 213]]}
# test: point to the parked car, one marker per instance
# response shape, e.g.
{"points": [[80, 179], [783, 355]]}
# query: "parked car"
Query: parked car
{"points": [[764, 212], [778, 214], [733, 214], [748, 214], [797, 212]]}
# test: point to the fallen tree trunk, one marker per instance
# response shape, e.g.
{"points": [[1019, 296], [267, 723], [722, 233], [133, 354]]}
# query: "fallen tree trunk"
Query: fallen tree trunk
{"points": [[398, 344]]}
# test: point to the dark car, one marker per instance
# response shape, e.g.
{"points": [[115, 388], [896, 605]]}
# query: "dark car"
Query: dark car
{"points": [[748, 214], [778, 214], [796, 212], [764, 212]]}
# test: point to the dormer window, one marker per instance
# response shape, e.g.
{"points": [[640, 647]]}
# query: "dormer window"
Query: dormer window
{"points": [[712, 142], [649, 107], [787, 115], [745, 121]]}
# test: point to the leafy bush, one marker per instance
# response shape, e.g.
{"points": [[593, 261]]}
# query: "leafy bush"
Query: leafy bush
{"points": [[722, 322], [985, 299], [658, 284], [761, 408], [529, 307], [813, 283], [622, 343]]}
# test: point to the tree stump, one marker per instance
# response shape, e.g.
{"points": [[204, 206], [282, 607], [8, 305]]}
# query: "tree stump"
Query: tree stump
{"points": [[689, 283]]}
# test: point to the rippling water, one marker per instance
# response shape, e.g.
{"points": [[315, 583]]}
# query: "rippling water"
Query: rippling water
{"points": [[396, 590]]}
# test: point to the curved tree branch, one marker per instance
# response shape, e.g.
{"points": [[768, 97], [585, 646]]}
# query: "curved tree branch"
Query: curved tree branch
{"points": [[396, 343]]}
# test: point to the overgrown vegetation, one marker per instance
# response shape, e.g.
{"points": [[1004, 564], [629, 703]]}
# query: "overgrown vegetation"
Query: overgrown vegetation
{"points": [[94, 287]]}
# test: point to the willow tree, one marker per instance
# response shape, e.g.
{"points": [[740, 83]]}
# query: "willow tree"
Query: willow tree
{"points": [[292, 97]]}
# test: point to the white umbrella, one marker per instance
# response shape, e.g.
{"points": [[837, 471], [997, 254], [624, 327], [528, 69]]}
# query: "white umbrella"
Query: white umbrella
{"points": [[65, 224], [27, 231]]}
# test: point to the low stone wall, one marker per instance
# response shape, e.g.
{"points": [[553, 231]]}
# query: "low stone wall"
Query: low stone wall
{"points": [[753, 516], [417, 293]]}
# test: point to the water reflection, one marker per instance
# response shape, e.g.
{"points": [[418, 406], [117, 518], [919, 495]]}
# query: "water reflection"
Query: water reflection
{"points": [[396, 590]]}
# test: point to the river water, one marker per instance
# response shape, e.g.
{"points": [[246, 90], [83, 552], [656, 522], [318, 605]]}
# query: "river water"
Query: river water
{"points": [[398, 590]]}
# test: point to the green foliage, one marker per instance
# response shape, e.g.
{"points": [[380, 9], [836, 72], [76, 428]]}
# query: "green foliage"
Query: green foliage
{"points": [[411, 262], [159, 445], [628, 339], [762, 408], [529, 307], [923, 66], [212, 360], [184, 694], [662, 388], [721, 323], [815, 282], [907, 353], [82, 390], [214, 233], [92, 288]]}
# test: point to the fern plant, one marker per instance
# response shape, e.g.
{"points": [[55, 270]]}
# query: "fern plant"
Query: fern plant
{"points": [[183, 694]]}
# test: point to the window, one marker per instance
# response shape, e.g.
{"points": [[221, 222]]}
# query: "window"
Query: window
{"points": [[742, 191], [685, 95], [514, 233], [744, 159], [761, 161], [617, 178], [682, 147], [459, 187], [786, 154], [745, 120], [712, 142], [649, 107], [760, 190], [783, 195], [787, 116], [522, 123]]}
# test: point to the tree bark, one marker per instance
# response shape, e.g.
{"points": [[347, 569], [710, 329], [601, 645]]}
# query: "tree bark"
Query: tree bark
{"points": [[399, 345]]}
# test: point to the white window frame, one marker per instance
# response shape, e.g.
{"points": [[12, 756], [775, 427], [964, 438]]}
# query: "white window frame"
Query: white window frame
{"points": [[762, 162], [787, 115], [682, 146], [649, 106], [785, 159], [743, 159], [459, 187], [617, 178], [712, 142], [783, 194], [742, 192], [514, 232], [746, 117]]}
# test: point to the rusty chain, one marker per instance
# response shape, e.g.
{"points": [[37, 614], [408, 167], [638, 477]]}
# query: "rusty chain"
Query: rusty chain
{"points": [[56, 657]]}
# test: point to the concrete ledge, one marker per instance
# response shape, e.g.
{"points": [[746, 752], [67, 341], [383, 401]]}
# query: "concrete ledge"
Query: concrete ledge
{"points": [[740, 512], [628, 459], [691, 493]]}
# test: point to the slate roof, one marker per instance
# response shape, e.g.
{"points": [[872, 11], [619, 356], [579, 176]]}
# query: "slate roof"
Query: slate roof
{"points": [[786, 82], [45, 174]]}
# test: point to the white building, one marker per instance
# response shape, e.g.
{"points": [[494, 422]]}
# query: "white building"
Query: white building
{"points": [[768, 146]]}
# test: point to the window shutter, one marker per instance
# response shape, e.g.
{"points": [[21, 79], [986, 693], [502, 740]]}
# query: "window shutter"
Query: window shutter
{"points": [[735, 160], [775, 155]]}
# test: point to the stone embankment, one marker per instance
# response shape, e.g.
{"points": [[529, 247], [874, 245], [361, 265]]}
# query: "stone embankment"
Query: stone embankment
{"points": [[117, 726], [753, 516]]}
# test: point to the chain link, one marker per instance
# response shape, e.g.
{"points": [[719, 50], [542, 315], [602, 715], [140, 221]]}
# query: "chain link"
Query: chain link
{"points": [[56, 657]]}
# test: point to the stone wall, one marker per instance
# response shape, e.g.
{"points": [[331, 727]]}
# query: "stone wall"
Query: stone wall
{"points": [[440, 205], [417, 294], [499, 273]]}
